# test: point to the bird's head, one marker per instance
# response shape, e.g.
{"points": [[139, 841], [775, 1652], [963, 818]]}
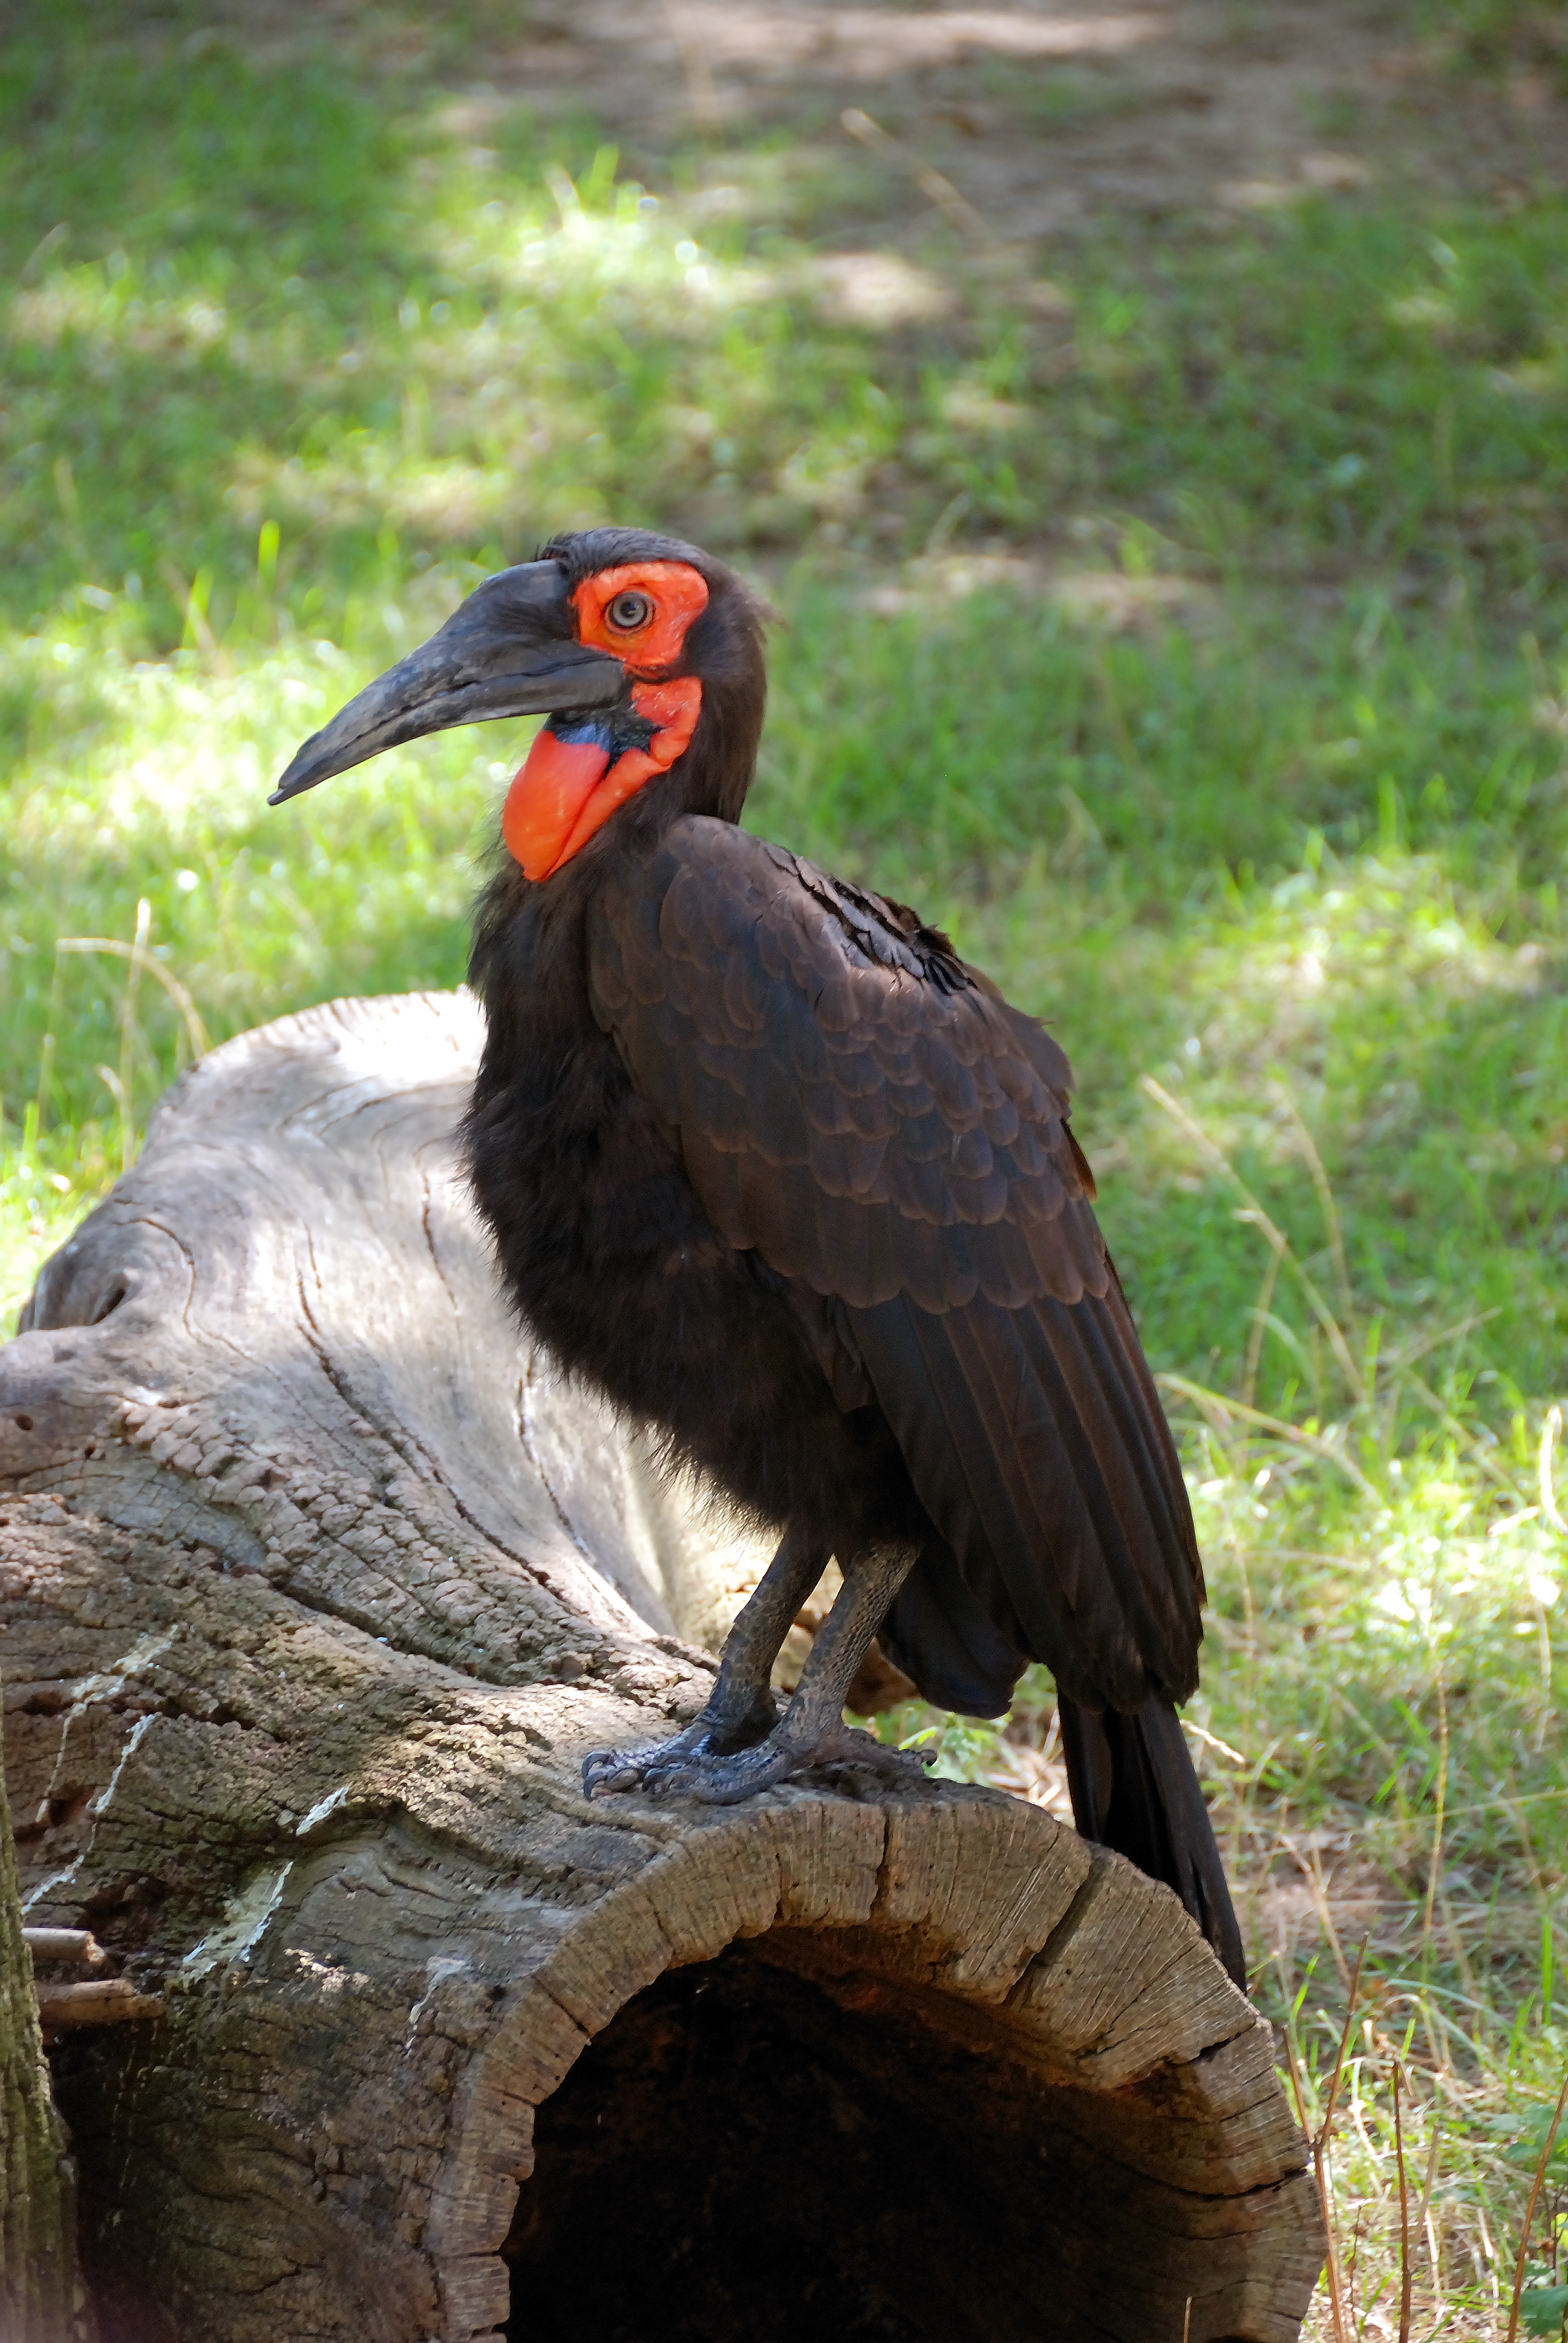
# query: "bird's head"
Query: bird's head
{"points": [[644, 655]]}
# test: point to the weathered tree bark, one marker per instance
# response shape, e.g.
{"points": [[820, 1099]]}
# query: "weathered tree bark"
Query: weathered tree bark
{"points": [[318, 1584], [40, 2298]]}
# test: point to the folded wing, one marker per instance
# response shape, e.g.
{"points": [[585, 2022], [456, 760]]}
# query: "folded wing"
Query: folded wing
{"points": [[866, 1112]]}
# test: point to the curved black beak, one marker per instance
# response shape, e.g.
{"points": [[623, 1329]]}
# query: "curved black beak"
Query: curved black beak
{"points": [[511, 650]]}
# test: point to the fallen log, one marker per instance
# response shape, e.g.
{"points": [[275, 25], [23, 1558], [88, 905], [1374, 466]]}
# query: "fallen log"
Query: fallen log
{"points": [[316, 1583]]}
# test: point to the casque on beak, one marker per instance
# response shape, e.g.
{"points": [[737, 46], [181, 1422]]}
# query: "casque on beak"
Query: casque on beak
{"points": [[511, 650]]}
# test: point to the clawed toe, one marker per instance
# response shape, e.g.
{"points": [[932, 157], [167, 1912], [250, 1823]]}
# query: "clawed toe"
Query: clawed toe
{"points": [[610, 1769], [685, 1762], [725, 1780], [693, 1767], [644, 1768], [717, 1780], [851, 1746], [617, 1769]]}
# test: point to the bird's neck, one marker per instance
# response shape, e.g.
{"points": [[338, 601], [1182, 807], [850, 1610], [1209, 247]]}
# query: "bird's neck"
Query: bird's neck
{"points": [[528, 958], [527, 964]]}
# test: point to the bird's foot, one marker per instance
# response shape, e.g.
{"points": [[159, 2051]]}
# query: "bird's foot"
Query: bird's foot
{"points": [[849, 1746], [626, 1769], [692, 1767], [709, 1740]]}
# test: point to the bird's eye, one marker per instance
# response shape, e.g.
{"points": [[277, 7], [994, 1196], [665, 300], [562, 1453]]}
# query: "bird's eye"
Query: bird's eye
{"points": [[628, 612]]}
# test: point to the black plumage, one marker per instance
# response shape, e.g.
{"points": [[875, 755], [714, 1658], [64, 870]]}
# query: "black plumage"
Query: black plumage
{"points": [[771, 1167]]}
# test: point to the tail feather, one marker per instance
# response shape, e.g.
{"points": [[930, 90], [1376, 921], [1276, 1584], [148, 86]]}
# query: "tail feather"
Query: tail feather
{"points": [[1135, 1789], [943, 1637]]}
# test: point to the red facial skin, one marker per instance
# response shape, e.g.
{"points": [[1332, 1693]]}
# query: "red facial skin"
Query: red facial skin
{"points": [[677, 595], [568, 788]]}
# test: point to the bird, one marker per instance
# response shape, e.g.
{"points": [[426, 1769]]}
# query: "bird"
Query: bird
{"points": [[794, 1187]]}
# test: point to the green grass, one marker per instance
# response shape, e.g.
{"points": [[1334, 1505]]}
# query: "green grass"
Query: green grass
{"points": [[1180, 615]]}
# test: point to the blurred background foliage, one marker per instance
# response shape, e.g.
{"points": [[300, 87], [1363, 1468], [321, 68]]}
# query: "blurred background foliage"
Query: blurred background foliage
{"points": [[1172, 603]]}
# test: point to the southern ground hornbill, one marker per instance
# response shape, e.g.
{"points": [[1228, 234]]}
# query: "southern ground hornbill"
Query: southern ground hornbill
{"points": [[792, 1184]]}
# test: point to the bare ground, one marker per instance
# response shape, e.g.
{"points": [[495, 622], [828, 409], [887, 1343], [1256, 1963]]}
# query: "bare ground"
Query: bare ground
{"points": [[1045, 115]]}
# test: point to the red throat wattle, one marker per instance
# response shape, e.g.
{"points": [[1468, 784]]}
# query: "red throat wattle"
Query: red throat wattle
{"points": [[573, 779]]}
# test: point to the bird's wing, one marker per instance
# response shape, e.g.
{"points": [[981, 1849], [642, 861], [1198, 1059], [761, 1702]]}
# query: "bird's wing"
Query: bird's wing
{"points": [[851, 1099]]}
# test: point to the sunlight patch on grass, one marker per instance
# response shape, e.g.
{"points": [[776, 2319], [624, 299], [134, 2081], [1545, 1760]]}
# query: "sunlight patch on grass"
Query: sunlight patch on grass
{"points": [[1331, 971]]}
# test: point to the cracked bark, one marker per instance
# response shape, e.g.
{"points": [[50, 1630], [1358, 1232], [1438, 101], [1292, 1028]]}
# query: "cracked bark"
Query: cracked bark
{"points": [[316, 1584], [40, 2299]]}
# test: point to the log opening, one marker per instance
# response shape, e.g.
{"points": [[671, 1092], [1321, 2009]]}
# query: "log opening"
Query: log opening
{"points": [[316, 1585], [771, 2163], [772, 2160]]}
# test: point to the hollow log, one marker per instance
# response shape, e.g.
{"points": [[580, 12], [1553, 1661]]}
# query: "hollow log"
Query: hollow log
{"points": [[318, 1581]]}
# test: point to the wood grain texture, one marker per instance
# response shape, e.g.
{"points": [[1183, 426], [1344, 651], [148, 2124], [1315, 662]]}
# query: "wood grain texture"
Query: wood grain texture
{"points": [[316, 1585]]}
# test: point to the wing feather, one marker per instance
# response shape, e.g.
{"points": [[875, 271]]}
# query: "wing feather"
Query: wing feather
{"points": [[889, 1134]]}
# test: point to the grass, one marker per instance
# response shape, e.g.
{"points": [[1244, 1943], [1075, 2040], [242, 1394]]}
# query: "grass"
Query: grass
{"points": [[1179, 615]]}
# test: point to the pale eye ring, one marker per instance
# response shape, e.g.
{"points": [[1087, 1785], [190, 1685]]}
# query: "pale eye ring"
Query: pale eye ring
{"points": [[628, 611]]}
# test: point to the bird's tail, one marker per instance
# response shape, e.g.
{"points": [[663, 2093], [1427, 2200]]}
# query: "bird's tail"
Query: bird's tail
{"points": [[1135, 1789]]}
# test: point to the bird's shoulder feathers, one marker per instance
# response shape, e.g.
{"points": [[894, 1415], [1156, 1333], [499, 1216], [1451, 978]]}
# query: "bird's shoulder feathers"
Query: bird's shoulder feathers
{"points": [[847, 1095]]}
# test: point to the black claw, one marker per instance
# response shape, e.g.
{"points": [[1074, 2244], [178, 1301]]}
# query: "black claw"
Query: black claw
{"points": [[606, 1769]]}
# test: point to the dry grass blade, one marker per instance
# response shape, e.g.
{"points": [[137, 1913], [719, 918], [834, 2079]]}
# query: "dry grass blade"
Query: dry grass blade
{"points": [[940, 191], [1528, 2221], [1427, 2187], [1550, 1433], [706, 108], [1405, 2275], [116, 1089], [1256, 1330], [1327, 2124], [192, 600], [1434, 1866], [1325, 2206], [1474, 1449], [138, 956], [195, 1032], [1319, 2142], [1218, 1161], [1217, 1408], [130, 1033], [1320, 2158], [1311, 1867], [1213, 1741], [1404, 1354], [1325, 1194]]}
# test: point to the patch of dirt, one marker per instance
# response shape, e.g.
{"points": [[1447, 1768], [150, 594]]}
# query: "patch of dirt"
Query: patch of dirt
{"points": [[1300, 1893], [1042, 116]]}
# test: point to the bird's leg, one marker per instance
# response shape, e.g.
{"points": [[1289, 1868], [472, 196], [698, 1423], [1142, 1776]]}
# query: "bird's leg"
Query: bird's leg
{"points": [[741, 1707], [811, 1731]]}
